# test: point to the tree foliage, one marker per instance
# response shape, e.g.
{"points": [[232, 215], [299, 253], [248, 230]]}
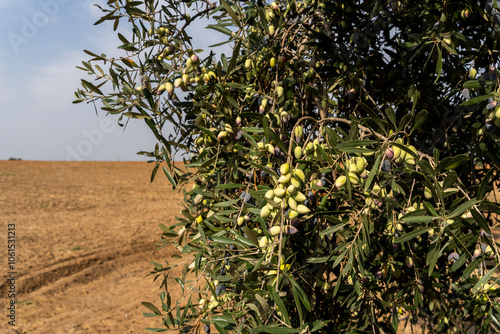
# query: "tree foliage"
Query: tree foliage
{"points": [[339, 159]]}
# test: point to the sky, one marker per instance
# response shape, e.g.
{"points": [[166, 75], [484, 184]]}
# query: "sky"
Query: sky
{"points": [[41, 43]]}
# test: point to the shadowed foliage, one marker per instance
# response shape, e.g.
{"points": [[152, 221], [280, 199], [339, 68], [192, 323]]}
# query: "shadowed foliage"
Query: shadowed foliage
{"points": [[339, 159]]}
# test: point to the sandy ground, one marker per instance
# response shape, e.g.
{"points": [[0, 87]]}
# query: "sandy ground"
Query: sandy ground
{"points": [[85, 234]]}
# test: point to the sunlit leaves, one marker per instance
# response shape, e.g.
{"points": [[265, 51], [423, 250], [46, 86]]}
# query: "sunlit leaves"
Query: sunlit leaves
{"points": [[380, 207]]}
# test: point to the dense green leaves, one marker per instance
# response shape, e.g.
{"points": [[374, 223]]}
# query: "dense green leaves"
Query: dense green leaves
{"points": [[338, 159]]}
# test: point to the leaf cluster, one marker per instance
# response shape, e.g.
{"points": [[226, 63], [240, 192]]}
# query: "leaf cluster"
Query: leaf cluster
{"points": [[339, 164]]}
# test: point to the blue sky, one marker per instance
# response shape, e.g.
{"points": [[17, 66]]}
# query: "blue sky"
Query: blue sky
{"points": [[41, 43]]}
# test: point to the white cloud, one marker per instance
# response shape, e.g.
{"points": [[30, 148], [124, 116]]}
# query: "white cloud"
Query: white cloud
{"points": [[52, 84], [7, 91], [44, 124], [8, 3]]}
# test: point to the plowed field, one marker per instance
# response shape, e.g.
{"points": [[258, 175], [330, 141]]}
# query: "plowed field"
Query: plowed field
{"points": [[85, 234]]}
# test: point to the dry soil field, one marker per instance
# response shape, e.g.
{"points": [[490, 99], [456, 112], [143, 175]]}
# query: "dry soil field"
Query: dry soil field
{"points": [[85, 234]]}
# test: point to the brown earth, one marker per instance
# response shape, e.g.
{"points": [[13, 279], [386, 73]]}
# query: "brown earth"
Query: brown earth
{"points": [[85, 236]]}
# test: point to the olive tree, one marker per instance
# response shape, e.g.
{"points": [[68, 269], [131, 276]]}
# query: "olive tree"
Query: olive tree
{"points": [[340, 156]]}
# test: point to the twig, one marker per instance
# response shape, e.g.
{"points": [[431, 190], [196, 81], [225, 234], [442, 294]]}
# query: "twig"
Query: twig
{"points": [[364, 128]]}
